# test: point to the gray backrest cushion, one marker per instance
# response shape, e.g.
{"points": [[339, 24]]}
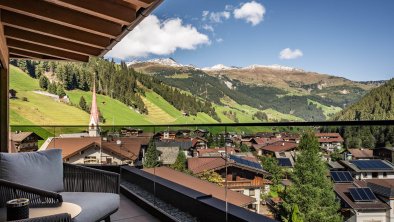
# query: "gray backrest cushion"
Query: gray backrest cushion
{"points": [[41, 169]]}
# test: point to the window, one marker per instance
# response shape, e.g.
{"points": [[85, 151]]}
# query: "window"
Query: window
{"points": [[90, 159], [384, 174], [375, 175], [251, 192]]}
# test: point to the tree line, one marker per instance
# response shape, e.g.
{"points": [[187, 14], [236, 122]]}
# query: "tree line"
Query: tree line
{"points": [[114, 80]]}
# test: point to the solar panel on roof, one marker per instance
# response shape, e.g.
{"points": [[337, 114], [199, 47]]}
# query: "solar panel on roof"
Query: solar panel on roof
{"points": [[371, 165], [363, 194], [284, 162], [246, 162], [341, 176]]}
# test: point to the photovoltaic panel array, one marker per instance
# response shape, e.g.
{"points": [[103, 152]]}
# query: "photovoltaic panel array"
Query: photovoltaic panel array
{"points": [[284, 162], [246, 162], [371, 165], [341, 176], [363, 194]]}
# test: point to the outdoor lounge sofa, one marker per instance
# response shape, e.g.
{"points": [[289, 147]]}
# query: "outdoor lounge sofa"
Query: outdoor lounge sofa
{"points": [[46, 181]]}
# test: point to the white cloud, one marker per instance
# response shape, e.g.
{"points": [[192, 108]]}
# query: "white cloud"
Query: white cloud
{"points": [[219, 40], [229, 7], [287, 53], [153, 36], [252, 12], [215, 17], [208, 28]]}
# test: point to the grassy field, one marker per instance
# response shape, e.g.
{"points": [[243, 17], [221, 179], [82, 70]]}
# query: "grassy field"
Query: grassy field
{"points": [[327, 110], [39, 109], [114, 112]]}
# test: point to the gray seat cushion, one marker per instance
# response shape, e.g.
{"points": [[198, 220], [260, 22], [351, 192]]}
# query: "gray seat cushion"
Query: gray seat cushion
{"points": [[42, 169], [94, 205]]}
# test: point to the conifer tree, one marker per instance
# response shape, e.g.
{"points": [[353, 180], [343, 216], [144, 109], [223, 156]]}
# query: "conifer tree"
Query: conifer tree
{"points": [[151, 156], [43, 82], [82, 103], [180, 163], [311, 190]]}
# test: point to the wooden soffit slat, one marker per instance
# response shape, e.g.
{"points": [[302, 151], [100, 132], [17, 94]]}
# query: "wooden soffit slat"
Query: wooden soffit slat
{"points": [[35, 38], [4, 57], [29, 47], [140, 3], [16, 53], [105, 9], [63, 16], [27, 23]]}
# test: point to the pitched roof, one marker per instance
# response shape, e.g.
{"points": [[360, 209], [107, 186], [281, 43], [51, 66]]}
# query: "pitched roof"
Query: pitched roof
{"points": [[361, 153], [184, 145], [129, 147], [329, 137], [383, 187], [18, 137], [199, 165], [279, 146], [202, 186], [389, 167], [215, 151], [72, 146], [342, 190]]}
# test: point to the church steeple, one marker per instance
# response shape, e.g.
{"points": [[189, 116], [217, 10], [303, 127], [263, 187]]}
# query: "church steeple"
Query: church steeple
{"points": [[94, 114]]}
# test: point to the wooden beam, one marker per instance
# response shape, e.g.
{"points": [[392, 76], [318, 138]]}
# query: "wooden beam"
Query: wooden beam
{"points": [[22, 35], [3, 47], [54, 30], [29, 47], [140, 3], [105, 9], [63, 16], [4, 109], [31, 55]]}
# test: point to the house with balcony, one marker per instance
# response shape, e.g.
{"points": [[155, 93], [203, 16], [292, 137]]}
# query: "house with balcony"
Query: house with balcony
{"points": [[24, 141], [243, 175], [330, 141]]}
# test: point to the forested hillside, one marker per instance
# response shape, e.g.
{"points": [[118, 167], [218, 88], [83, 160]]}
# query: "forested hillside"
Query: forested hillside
{"points": [[378, 104]]}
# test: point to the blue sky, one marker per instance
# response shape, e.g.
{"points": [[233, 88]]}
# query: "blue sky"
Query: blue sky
{"points": [[349, 38]]}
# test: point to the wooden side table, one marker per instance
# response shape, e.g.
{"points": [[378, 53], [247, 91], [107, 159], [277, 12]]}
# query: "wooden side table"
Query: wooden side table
{"points": [[70, 208]]}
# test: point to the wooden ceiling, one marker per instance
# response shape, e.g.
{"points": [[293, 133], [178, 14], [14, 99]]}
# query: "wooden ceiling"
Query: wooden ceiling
{"points": [[67, 29]]}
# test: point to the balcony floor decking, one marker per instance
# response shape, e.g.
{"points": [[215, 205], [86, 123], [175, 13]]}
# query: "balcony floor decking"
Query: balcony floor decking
{"points": [[131, 212]]}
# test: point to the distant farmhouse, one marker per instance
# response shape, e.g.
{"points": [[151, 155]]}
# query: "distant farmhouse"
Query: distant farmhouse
{"points": [[24, 141]]}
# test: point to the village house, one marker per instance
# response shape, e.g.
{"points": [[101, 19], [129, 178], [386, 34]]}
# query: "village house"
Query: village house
{"points": [[358, 154], [384, 153], [243, 175], [359, 204], [200, 133], [214, 152], [369, 169], [330, 141], [97, 150], [24, 141]]}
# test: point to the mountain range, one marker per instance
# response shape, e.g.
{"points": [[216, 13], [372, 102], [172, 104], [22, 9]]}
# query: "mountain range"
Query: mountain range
{"points": [[292, 91]]}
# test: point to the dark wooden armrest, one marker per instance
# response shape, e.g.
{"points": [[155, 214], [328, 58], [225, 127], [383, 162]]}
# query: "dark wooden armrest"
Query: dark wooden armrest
{"points": [[84, 179], [37, 197]]}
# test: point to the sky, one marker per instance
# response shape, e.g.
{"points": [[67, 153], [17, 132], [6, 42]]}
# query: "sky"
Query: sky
{"points": [[349, 38]]}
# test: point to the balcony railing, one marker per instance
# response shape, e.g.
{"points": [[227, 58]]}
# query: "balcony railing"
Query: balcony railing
{"points": [[120, 146]]}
